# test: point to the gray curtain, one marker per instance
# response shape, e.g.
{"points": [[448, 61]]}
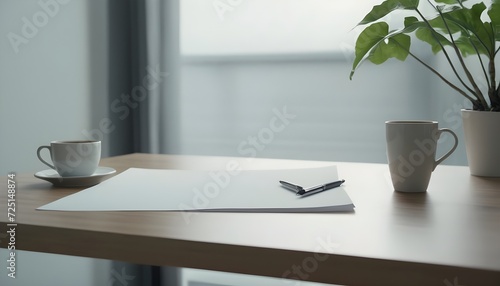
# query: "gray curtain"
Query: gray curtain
{"points": [[144, 75], [143, 62]]}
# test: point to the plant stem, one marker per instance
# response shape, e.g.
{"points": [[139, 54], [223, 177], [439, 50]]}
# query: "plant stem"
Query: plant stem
{"points": [[477, 91], [496, 88], [444, 51], [480, 60], [492, 92], [482, 64], [474, 101]]}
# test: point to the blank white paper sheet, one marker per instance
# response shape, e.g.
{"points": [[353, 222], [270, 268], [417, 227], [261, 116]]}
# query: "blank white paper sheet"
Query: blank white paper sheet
{"points": [[222, 190]]}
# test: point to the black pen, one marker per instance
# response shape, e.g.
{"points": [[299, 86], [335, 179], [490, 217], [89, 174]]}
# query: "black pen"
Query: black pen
{"points": [[300, 191]]}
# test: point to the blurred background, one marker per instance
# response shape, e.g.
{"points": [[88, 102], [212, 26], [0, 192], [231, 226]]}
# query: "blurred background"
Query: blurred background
{"points": [[199, 77]]}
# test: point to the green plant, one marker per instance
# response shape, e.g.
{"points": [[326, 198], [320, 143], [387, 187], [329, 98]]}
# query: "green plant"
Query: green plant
{"points": [[454, 29]]}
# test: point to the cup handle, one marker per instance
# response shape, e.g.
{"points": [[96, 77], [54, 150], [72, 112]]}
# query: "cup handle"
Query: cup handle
{"points": [[438, 161], [40, 157]]}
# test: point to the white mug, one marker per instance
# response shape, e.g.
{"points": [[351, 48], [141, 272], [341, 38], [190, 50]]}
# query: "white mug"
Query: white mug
{"points": [[411, 153], [73, 158]]}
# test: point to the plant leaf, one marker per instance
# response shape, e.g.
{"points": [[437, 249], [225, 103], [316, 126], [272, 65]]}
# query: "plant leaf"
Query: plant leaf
{"points": [[425, 34], [368, 38], [386, 7], [448, 1], [467, 21], [494, 13], [412, 23], [397, 46], [372, 45], [467, 48]]}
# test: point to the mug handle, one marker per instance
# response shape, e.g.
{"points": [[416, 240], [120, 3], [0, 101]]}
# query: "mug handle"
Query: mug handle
{"points": [[438, 161], [40, 157]]}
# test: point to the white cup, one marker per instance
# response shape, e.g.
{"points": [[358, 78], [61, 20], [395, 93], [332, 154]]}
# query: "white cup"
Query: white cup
{"points": [[411, 153], [73, 158]]}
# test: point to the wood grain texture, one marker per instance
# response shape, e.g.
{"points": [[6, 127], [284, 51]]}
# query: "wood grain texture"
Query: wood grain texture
{"points": [[451, 232]]}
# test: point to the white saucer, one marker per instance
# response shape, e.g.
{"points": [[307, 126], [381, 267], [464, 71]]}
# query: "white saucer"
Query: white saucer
{"points": [[52, 176]]}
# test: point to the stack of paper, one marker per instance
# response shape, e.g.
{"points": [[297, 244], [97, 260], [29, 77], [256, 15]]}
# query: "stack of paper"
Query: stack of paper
{"points": [[222, 190]]}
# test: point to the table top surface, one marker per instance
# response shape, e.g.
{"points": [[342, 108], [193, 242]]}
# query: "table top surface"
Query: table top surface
{"points": [[450, 233]]}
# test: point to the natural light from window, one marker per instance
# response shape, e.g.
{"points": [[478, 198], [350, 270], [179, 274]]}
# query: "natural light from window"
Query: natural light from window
{"points": [[239, 27]]}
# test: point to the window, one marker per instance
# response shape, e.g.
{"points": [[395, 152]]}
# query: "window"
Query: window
{"points": [[248, 27], [244, 62]]}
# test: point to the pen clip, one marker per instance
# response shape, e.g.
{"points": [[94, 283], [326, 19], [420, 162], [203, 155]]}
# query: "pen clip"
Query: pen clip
{"points": [[293, 187], [320, 188]]}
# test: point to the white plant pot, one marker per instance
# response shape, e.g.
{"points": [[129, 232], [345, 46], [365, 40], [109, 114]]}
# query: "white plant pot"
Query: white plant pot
{"points": [[482, 142]]}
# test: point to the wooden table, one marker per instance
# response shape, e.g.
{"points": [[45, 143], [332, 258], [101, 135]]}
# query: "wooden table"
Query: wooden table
{"points": [[447, 236]]}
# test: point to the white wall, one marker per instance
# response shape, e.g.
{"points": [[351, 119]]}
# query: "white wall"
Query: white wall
{"points": [[44, 78], [46, 94]]}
